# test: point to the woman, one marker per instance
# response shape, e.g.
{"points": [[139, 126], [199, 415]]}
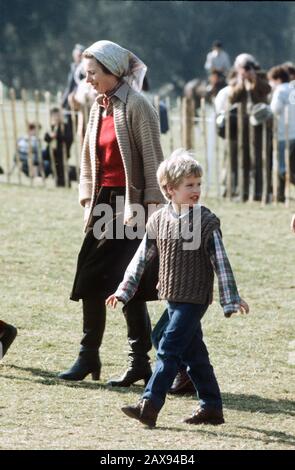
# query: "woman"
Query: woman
{"points": [[120, 157]]}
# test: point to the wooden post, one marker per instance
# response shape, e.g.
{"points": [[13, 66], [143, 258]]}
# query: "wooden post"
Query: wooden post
{"points": [[6, 143], [252, 169], [264, 164], [240, 156], [179, 113], [37, 123], [204, 132], [74, 131], [228, 154], [51, 156], [217, 160], [15, 134], [275, 163], [30, 154], [184, 122], [287, 158], [168, 105], [64, 149]]}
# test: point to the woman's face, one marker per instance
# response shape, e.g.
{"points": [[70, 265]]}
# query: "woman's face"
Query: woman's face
{"points": [[99, 80]]}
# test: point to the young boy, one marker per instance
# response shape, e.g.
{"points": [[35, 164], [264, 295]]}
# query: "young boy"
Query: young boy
{"points": [[186, 281]]}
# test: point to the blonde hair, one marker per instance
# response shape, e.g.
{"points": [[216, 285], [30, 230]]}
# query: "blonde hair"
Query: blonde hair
{"points": [[179, 165]]}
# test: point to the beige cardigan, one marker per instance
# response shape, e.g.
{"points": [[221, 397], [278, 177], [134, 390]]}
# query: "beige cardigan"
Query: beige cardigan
{"points": [[138, 136]]}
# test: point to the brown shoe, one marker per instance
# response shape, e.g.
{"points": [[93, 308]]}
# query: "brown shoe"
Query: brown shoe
{"points": [[182, 384], [144, 412], [206, 416]]}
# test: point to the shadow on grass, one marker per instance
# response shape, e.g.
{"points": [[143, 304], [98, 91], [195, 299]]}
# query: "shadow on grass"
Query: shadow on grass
{"points": [[50, 378], [255, 404], [239, 402], [267, 436]]}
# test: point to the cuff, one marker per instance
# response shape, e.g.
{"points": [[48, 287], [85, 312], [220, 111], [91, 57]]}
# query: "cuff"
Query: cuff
{"points": [[85, 192], [122, 296], [231, 308]]}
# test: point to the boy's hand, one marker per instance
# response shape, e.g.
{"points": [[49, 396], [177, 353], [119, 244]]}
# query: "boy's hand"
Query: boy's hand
{"points": [[244, 307], [112, 301], [293, 223]]}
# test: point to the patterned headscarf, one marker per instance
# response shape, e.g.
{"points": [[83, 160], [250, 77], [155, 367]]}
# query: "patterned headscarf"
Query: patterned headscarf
{"points": [[120, 62]]}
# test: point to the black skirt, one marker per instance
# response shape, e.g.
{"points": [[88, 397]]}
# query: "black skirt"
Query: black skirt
{"points": [[103, 262]]}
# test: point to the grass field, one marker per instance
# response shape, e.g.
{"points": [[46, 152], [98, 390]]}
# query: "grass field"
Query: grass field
{"points": [[253, 356]]}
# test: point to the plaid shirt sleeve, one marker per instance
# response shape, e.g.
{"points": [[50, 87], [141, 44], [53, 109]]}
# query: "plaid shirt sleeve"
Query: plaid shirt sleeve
{"points": [[146, 251], [228, 292]]}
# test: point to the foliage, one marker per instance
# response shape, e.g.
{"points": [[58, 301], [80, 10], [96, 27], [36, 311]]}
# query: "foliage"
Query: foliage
{"points": [[172, 37]]}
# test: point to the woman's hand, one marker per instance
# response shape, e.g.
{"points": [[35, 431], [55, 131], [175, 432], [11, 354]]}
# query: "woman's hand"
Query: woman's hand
{"points": [[293, 223], [112, 301]]}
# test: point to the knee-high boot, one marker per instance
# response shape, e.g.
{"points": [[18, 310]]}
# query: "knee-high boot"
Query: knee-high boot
{"points": [[88, 362], [139, 339]]}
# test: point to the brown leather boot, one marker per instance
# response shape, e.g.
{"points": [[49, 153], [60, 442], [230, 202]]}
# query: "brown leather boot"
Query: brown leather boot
{"points": [[182, 384], [144, 412], [206, 416]]}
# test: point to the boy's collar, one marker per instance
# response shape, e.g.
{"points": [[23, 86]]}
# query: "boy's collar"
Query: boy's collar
{"points": [[184, 214]]}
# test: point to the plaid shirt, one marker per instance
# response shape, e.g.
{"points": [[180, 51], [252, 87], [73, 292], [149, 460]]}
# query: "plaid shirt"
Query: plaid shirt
{"points": [[147, 250]]}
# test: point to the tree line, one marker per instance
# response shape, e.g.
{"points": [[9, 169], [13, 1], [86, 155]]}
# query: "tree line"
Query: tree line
{"points": [[171, 37]]}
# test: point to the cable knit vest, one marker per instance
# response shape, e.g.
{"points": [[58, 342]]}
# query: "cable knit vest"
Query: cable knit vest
{"points": [[184, 275]]}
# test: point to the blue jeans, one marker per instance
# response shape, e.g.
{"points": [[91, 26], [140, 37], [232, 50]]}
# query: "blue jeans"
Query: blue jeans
{"points": [[282, 165], [182, 343]]}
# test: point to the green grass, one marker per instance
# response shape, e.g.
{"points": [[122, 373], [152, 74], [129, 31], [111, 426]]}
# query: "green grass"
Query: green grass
{"points": [[41, 233]]}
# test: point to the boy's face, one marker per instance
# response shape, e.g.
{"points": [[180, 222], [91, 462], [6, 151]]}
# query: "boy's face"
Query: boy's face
{"points": [[188, 192]]}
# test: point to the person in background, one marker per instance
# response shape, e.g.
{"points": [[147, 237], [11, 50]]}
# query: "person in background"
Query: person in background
{"points": [[60, 139], [281, 100], [31, 144], [75, 74], [217, 59], [290, 67], [250, 86], [163, 112], [7, 336], [81, 101], [216, 82]]}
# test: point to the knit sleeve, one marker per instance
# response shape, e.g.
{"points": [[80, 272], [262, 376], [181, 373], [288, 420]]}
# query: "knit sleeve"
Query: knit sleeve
{"points": [[85, 184], [146, 130]]}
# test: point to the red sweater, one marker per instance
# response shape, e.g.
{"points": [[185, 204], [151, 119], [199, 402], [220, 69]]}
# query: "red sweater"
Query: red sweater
{"points": [[111, 169]]}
